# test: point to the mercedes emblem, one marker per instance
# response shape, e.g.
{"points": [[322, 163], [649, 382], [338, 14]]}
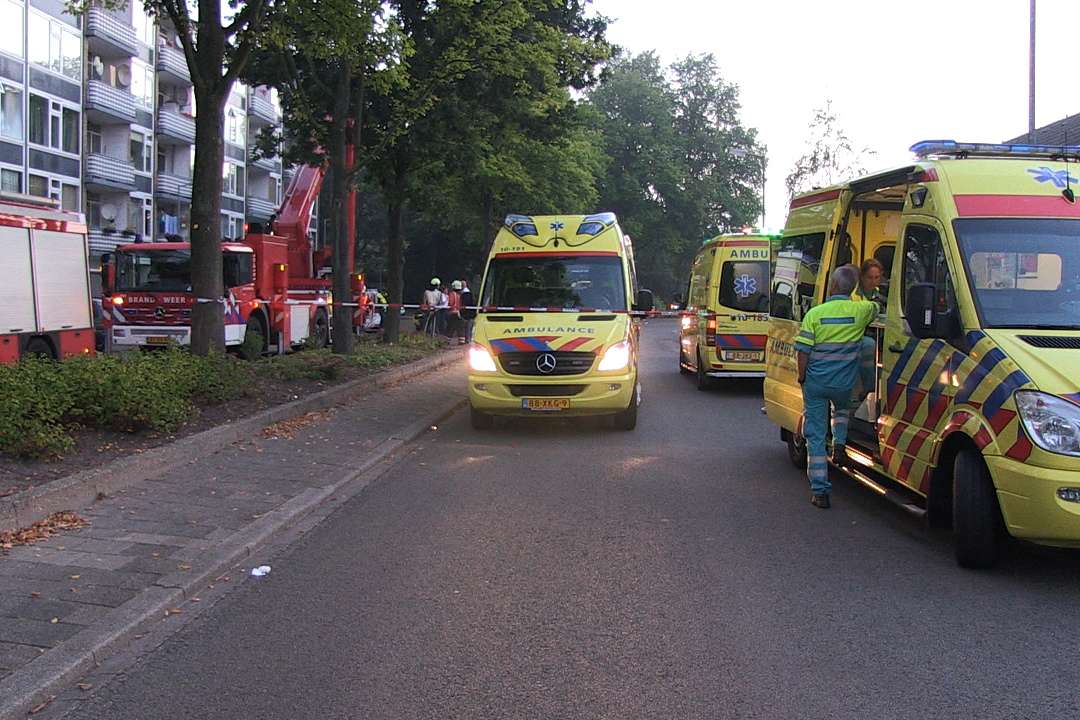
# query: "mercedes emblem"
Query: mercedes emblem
{"points": [[159, 313], [545, 363]]}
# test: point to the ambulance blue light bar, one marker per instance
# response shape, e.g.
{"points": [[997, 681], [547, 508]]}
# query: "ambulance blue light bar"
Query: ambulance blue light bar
{"points": [[927, 148], [521, 225], [596, 224]]}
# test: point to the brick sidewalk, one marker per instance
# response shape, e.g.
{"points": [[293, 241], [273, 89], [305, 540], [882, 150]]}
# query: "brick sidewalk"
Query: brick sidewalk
{"points": [[147, 536]]}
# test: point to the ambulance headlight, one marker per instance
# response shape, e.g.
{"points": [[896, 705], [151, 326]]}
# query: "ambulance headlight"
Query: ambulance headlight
{"points": [[480, 359], [616, 357], [1052, 423]]}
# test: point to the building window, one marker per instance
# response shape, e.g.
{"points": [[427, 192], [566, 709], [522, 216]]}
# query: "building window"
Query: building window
{"points": [[39, 120], [234, 128], [11, 112], [38, 185], [144, 25], [93, 139], [69, 197], [55, 46], [11, 27], [142, 152], [70, 121], [233, 179], [10, 181], [142, 84]]}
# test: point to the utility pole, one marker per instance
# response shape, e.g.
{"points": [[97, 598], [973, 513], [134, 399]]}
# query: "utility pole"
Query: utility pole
{"points": [[1032, 137]]}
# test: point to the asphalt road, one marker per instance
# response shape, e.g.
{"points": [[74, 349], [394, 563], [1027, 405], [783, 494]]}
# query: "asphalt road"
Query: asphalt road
{"points": [[568, 570]]}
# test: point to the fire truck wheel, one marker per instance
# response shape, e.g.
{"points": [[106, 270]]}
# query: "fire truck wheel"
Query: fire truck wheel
{"points": [[977, 523], [255, 327], [321, 335], [40, 347], [796, 450], [704, 382]]}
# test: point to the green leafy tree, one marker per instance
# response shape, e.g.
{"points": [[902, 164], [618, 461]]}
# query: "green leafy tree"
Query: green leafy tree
{"points": [[217, 46], [831, 155], [323, 55]]}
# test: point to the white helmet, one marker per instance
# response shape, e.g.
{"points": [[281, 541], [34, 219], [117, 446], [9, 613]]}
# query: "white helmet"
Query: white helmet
{"points": [[456, 285]]}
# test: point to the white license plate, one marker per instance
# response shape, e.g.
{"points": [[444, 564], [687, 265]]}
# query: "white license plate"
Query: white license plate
{"points": [[742, 356], [545, 404]]}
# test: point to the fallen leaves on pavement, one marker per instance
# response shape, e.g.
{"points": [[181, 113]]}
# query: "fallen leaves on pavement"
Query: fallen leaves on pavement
{"points": [[287, 428], [52, 525]]}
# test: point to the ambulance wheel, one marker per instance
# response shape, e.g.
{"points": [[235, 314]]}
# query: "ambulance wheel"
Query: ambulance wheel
{"points": [[796, 450], [704, 382], [627, 419], [320, 337], [480, 420], [979, 531]]}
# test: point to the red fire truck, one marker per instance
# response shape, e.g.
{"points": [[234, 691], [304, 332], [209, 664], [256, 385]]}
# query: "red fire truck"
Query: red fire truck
{"points": [[45, 304], [270, 279]]}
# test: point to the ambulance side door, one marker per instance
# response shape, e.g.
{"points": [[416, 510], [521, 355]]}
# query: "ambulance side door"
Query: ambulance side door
{"points": [[914, 384]]}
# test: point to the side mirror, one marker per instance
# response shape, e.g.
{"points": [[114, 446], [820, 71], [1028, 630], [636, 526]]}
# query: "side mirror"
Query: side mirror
{"points": [[108, 274], [925, 321], [645, 301]]}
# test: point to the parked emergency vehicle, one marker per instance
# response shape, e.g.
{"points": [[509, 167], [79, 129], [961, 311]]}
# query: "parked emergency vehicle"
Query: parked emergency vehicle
{"points": [[555, 335], [723, 327], [270, 279], [974, 417], [45, 305]]}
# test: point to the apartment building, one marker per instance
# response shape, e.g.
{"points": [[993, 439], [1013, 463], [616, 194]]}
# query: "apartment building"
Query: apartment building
{"points": [[98, 112]]}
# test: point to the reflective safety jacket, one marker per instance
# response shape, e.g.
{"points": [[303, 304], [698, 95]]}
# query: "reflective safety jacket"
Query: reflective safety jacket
{"points": [[832, 333]]}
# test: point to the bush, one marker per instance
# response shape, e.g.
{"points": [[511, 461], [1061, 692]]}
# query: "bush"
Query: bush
{"points": [[33, 404]]}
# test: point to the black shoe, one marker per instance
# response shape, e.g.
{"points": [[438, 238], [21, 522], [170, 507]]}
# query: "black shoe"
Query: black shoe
{"points": [[820, 500], [839, 457]]}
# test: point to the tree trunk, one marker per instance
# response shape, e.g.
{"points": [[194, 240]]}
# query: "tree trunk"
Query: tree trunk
{"points": [[395, 252], [339, 192], [208, 314]]}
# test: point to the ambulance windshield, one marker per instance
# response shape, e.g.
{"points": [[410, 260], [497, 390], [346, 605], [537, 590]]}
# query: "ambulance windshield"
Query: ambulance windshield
{"points": [[556, 281], [1024, 272]]}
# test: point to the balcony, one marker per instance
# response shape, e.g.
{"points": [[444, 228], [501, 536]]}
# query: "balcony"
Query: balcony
{"points": [[109, 173], [109, 36], [172, 66], [106, 104], [174, 127], [259, 209], [102, 241], [173, 187], [260, 110], [269, 165]]}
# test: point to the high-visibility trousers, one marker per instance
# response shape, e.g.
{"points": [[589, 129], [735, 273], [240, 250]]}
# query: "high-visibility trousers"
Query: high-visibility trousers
{"points": [[816, 402]]}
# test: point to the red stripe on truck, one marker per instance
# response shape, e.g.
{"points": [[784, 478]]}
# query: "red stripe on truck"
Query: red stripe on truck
{"points": [[1015, 206]]}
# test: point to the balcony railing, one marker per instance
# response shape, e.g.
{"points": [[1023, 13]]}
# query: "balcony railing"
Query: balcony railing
{"points": [[172, 65], [260, 209], [271, 164], [109, 172], [174, 186], [112, 102], [110, 36], [260, 109], [174, 125]]}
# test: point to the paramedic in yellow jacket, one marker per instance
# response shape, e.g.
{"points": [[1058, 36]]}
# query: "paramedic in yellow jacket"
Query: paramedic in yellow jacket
{"points": [[828, 345]]}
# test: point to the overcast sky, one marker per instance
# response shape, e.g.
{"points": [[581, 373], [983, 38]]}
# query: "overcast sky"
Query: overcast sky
{"points": [[896, 72]]}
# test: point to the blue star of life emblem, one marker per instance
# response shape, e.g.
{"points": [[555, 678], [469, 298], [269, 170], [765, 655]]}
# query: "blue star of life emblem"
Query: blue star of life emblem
{"points": [[559, 226], [1060, 178], [745, 286]]}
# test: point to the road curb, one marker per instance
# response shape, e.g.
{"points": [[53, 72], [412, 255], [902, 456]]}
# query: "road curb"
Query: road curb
{"points": [[46, 676], [25, 508]]}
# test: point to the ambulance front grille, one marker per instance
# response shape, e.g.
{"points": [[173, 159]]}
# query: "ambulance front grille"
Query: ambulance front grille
{"points": [[1055, 342], [566, 363], [545, 390]]}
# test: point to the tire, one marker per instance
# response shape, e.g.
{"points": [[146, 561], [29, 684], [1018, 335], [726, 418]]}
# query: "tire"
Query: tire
{"points": [[627, 419], [40, 348], [704, 382], [255, 326], [796, 450], [480, 420], [320, 336], [978, 528]]}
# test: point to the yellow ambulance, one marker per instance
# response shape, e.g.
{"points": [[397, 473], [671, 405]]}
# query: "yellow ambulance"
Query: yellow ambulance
{"points": [[555, 335], [723, 327], [973, 417]]}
